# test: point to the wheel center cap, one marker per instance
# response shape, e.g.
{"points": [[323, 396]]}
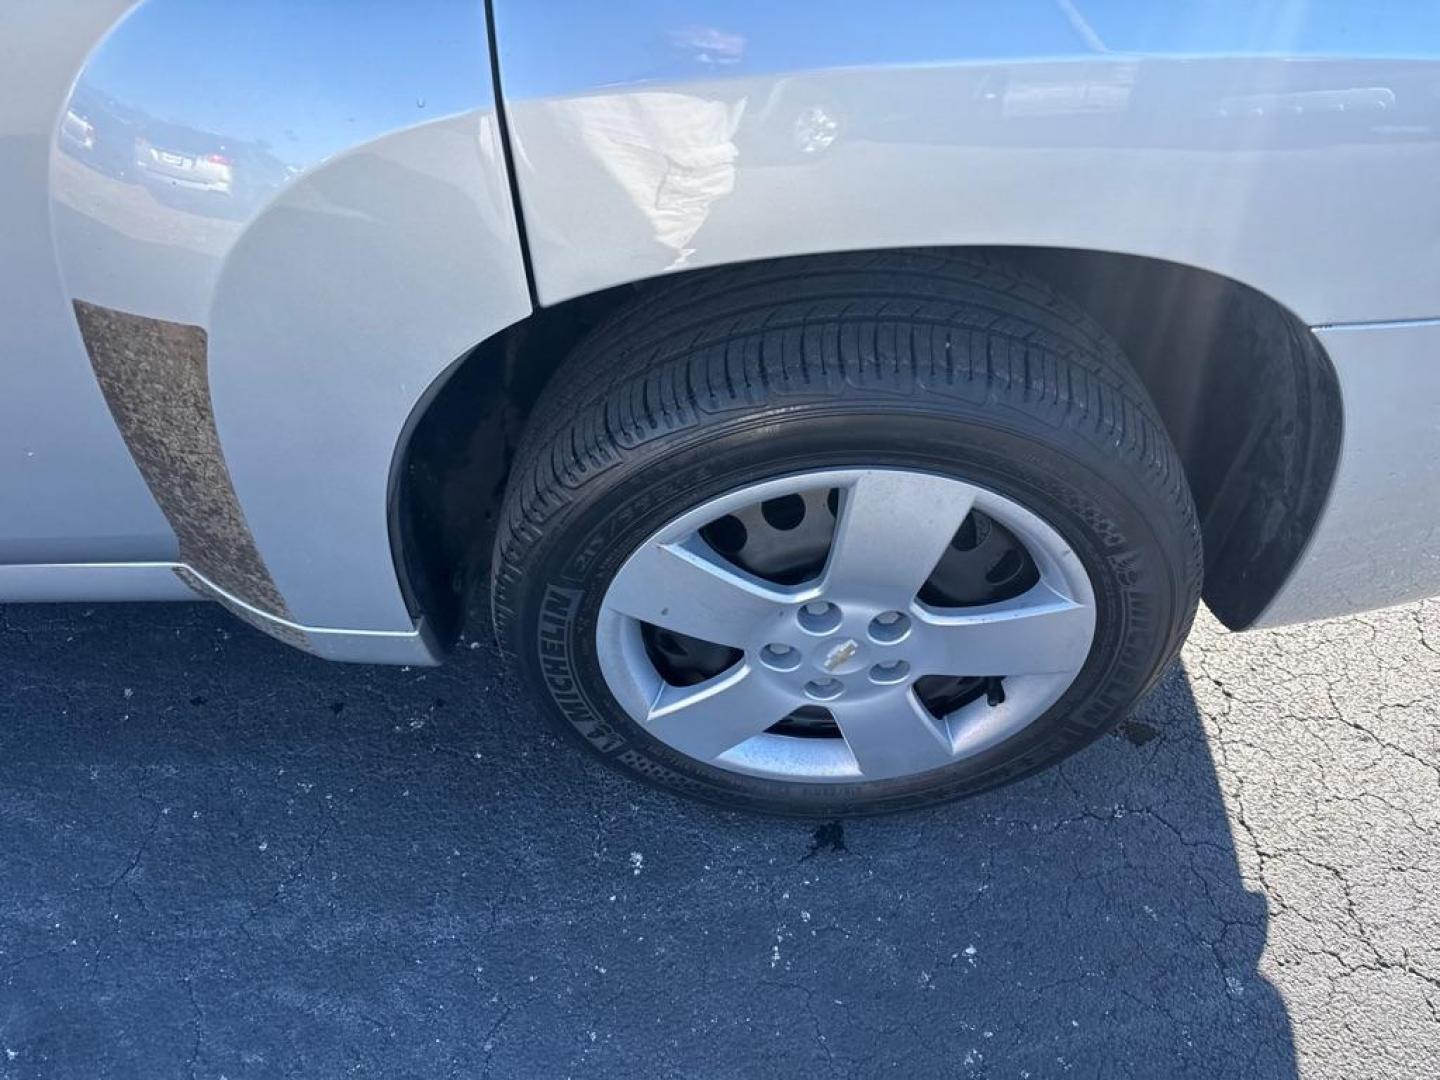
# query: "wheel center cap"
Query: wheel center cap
{"points": [[840, 657]]}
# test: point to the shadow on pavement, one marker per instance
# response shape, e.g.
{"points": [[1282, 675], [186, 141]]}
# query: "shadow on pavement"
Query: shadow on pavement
{"points": [[221, 857]]}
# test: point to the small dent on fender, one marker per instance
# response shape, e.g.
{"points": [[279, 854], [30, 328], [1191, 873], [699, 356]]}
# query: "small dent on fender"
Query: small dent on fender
{"points": [[154, 376]]}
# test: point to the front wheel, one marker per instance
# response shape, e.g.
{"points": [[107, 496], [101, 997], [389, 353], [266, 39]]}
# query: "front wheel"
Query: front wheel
{"points": [[850, 534]]}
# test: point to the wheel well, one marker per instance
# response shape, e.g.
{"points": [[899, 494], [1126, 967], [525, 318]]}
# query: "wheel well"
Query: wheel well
{"points": [[1247, 394]]}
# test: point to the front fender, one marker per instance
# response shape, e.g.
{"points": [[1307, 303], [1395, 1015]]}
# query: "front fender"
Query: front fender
{"points": [[1285, 146]]}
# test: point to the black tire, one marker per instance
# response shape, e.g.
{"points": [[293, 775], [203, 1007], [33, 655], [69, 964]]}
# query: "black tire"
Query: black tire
{"points": [[951, 363]]}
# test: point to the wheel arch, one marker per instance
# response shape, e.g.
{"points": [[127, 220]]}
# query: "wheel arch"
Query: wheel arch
{"points": [[1247, 393]]}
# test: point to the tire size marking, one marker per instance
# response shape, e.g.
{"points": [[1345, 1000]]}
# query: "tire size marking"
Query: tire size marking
{"points": [[557, 611]]}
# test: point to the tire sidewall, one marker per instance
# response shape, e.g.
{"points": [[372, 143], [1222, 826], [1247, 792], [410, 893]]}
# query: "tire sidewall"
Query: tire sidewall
{"points": [[1129, 549]]}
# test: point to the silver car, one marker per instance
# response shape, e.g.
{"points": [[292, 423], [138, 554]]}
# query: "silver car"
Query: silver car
{"points": [[842, 409], [183, 167]]}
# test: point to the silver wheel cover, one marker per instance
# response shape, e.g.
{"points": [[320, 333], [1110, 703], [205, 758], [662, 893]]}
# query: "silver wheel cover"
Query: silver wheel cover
{"points": [[853, 640]]}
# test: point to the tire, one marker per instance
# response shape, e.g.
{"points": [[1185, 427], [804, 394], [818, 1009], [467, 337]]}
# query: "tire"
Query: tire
{"points": [[939, 364]]}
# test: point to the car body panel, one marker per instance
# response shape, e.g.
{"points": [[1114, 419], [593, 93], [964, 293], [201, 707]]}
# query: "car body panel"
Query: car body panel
{"points": [[1378, 540], [69, 490], [1286, 146], [284, 306], [52, 583]]}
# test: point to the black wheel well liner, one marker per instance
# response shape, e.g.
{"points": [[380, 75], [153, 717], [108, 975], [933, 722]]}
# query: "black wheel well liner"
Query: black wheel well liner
{"points": [[1247, 393]]}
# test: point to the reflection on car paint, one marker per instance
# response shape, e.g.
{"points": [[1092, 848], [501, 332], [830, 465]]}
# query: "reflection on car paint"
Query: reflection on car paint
{"points": [[185, 168]]}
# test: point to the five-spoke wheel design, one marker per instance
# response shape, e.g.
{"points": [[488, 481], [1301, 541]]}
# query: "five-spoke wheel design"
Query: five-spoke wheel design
{"points": [[845, 624]]}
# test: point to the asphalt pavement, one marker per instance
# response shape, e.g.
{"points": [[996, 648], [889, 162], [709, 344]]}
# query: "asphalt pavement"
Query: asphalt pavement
{"points": [[222, 858]]}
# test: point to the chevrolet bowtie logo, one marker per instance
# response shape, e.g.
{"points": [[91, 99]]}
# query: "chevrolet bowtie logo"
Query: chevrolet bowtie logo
{"points": [[840, 654]]}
